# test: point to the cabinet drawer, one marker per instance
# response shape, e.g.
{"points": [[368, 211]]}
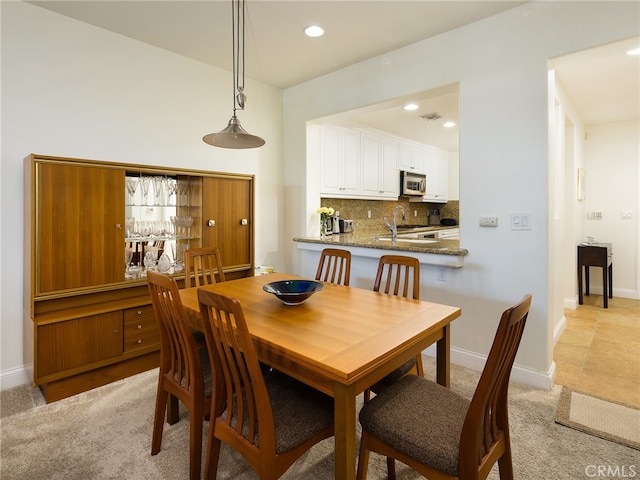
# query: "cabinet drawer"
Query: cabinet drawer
{"points": [[140, 328]]}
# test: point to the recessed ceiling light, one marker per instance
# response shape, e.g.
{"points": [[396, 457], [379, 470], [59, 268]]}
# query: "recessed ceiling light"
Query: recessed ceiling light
{"points": [[314, 31], [635, 51], [410, 106], [449, 124]]}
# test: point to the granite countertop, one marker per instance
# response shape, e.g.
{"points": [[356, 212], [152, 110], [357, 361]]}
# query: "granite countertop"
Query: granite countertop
{"points": [[372, 240]]}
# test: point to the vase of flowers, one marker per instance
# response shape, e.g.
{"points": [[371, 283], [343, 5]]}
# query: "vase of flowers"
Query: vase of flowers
{"points": [[325, 213]]}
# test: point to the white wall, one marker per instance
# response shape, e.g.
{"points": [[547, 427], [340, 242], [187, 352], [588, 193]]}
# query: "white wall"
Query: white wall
{"points": [[612, 176], [71, 89], [501, 66]]}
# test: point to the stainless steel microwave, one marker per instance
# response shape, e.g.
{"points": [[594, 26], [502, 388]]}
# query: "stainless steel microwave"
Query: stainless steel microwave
{"points": [[413, 184]]}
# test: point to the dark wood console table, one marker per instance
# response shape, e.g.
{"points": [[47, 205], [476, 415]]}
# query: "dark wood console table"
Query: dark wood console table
{"points": [[596, 255]]}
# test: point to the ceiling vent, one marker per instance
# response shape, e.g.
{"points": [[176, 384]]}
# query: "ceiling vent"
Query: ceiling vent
{"points": [[431, 116]]}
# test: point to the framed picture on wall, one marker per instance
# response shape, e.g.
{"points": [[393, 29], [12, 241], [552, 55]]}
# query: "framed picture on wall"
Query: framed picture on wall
{"points": [[581, 183]]}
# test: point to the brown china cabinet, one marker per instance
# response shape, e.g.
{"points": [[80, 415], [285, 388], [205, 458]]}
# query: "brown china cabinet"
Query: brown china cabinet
{"points": [[88, 316]]}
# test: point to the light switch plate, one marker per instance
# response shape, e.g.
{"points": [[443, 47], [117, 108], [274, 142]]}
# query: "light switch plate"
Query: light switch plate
{"points": [[520, 221]]}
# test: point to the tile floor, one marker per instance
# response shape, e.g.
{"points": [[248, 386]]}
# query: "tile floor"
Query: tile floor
{"points": [[599, 351]]}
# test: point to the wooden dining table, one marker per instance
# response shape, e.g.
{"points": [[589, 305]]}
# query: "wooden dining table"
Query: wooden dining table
{"points": [[340, 341]]}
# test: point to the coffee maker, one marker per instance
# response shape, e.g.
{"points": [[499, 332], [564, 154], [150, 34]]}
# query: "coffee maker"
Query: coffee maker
{"points": [[434, 217]]}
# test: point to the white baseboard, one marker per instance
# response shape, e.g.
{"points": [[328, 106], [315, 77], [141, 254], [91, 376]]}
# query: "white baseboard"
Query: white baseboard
{"points": [[559, 330], [16, 376], [519, 374]]}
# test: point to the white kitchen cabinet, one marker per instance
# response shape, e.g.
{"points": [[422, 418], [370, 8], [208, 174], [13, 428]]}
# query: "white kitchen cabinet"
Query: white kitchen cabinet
{"points": [[437, 171], [390, 180], [356, 163], [412, 158], [379, 166], [340, 161]]}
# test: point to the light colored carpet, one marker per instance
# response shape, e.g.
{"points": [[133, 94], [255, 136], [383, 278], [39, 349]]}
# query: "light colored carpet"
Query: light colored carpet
{"points": [[602, 418], [106, 434]]}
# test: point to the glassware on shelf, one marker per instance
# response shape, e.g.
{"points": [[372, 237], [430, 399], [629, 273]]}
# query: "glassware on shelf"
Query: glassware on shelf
{"points": [[174, 222], [172, 191], [128, 255], [145, 182], [157, 190], [164, 264], [150, 257], [178, 254], [129, 223], [188, 221], [183, 192], [132, 186]]}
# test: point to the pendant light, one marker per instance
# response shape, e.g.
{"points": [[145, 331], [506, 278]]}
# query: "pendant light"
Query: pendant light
{"points": [[234, 136]]}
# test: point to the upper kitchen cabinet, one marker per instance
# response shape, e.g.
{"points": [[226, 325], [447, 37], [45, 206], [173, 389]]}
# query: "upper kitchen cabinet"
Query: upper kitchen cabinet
{"points": [[356, 163], [340, 161], [436, 168], [412, 158], [379, 166], [437, 171]]}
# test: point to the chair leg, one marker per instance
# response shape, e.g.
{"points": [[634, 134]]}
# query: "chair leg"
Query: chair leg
{"points": [[213, 454], [505, 464], [391, 468], [367, 395], [158, 418], [195, 442], [173, 412], [363, 458]]}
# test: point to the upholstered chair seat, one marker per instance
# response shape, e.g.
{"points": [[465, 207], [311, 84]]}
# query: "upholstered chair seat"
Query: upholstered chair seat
{"points": [[446, 411]]}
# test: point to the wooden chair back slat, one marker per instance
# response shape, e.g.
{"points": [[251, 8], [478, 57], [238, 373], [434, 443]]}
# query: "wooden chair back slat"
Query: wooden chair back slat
{"points": [[334, 266], [205, 264]]}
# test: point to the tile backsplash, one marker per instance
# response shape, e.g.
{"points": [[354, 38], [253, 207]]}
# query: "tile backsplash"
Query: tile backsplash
{"points": [[357, 210]]}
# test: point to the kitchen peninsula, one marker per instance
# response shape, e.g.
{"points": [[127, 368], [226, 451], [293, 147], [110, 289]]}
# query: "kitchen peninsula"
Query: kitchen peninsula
{"points": [[441, 252]]}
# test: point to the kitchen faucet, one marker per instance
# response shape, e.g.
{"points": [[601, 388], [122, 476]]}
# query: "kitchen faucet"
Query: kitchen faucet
{"points": [[394, 228]]}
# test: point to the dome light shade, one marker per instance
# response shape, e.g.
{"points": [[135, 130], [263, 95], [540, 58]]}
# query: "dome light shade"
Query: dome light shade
{"points": [[233, 136]]}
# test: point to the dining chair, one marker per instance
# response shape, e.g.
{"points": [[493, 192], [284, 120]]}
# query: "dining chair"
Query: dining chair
{"points": [[271, 419], [185, 370], [444, 435], [334, 266], [204, 263], [398, 275]]}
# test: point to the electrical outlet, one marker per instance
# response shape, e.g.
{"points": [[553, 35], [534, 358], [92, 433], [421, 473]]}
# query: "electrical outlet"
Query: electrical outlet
{"points": [[368, 213], [441, 276], [488, 221]]}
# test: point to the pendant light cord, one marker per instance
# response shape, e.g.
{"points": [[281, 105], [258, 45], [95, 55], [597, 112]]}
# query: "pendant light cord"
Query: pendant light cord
{"points": [[238, 41]]}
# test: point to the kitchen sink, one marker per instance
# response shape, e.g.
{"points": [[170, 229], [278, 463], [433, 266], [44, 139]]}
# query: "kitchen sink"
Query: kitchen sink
{"points": [[408, 240]]}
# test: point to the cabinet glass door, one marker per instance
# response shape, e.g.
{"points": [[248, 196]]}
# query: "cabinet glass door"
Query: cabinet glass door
{"points": [[151, 222]]}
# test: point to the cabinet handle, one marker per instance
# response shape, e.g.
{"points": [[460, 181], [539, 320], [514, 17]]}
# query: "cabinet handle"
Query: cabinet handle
{"points": [[139, 341], [118, 226], [139, 327], [211, 223], [244, 222], [139, 312]]}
